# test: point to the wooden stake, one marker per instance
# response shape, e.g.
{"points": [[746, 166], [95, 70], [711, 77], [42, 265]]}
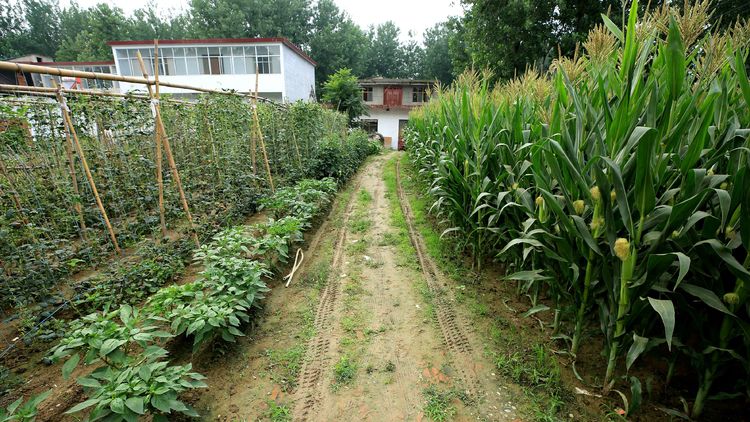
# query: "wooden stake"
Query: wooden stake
{"points": [[258, 131], [296, 147], [161, 132], [157, 152], [13, 191], [74, 179], [71, 129]]}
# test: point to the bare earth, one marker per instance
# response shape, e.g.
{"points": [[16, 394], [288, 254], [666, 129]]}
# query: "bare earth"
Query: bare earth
{"points": [[364, 330]]}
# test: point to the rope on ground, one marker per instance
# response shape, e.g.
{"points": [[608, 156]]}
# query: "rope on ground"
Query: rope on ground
{"points": [[33, 330], [298, 258]]}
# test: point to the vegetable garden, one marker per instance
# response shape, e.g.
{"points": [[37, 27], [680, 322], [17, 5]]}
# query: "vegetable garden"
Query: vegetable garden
{"points": [[76, 192], [615, 191]]}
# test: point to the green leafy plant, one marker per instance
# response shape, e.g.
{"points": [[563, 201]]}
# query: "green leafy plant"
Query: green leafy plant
{"points": [[20, 411]]}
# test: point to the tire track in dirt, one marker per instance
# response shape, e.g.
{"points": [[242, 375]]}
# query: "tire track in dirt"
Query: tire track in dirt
{"points": [[452, 328], [318, 351]]}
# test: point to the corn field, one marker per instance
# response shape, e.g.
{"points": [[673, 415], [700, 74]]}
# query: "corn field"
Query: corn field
{"points": [[615, 187]]}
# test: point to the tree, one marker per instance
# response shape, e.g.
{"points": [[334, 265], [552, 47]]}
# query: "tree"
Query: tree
{"points": [[342, 91], [412, 65], [385, 57], [336, 42], [95, 27], [252, 18], [42, 32], [509, 35], [436, 61]]}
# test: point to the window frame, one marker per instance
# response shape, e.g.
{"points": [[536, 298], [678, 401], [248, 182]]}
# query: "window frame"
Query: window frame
{"points": [[419, 94], [368, 94], [184, 61]]}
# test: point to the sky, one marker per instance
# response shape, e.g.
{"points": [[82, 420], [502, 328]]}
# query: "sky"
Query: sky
{"points": [[408, 15]]}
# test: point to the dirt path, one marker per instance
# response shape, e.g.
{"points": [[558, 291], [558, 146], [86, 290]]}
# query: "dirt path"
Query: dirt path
{"points": [[368, 331]]}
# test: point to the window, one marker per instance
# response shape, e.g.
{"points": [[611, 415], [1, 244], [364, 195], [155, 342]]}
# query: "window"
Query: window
{"points": [[217, 60], [419, 94], [367, 94], [370, 125]]}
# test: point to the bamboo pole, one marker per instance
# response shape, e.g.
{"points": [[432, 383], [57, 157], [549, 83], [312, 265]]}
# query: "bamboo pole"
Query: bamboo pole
{"points": [[296, 148], [21, 67], [260, 133], [161, 132], [51, 92], [157, 152], [13, 191], [74, 179], [70, 128]]}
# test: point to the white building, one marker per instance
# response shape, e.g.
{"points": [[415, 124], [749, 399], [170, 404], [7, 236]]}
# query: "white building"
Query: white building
{"points": [[285, 72], [78, 83], [390, 101]]}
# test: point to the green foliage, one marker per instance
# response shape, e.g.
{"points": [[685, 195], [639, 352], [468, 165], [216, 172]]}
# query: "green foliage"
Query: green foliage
{"points": [[151, 387], [439, 406], [344, 371], [42, 240], [18, 411], [342, 91], [616, 185]]}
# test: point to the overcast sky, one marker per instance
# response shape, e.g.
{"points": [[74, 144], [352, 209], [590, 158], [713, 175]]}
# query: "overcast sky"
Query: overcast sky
{"points": [[409, 15]]}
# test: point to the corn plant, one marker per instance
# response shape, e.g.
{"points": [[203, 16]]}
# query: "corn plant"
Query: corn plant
{"points": [[614, 185]]}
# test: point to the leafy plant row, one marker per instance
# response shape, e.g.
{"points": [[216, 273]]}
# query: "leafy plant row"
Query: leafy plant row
{"points": [[618, 186], [42, 237], [132, 376]]}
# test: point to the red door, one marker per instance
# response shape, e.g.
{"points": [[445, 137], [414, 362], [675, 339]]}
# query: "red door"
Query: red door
{"points": [[392, 96]]}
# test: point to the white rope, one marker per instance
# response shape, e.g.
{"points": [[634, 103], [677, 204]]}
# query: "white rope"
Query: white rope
{"points": [[298, 258], [154, 102]]}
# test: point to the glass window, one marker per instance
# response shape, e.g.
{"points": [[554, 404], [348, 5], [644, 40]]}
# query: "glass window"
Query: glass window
{"points": [[214, 51], [250, 65], [238, 51], [226, 65], [193, 66], [262, 50], [250, 51], [122, 54], [169, 66], [191, 52], [275, 64], [178, 52], [205, 67], [135, 67], [264, 65], [367, 94], [274, 49], [180, 68], [419, 94], [226, 51], [239, 66]]}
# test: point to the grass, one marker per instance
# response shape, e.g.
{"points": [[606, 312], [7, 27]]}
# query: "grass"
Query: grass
{"points": [[278, 412], [519, 355], [344, 372], [285, 365], [439, 404], [360, 224]]}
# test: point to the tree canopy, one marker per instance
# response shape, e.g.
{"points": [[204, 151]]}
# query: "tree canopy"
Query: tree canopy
{"points": [[505, 36], [342, 91]]}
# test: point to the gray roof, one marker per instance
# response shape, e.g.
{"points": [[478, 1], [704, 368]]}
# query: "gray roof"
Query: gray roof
{"points": [[396, 81]]}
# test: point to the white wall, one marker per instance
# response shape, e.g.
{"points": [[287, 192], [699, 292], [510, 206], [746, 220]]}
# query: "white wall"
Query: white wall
{"points": [[388, 122], [242, 83], [299, 75], [377, 95]]}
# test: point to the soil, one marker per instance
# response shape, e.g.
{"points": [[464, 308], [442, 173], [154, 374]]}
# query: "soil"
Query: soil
{"points": [[370, 328]]}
